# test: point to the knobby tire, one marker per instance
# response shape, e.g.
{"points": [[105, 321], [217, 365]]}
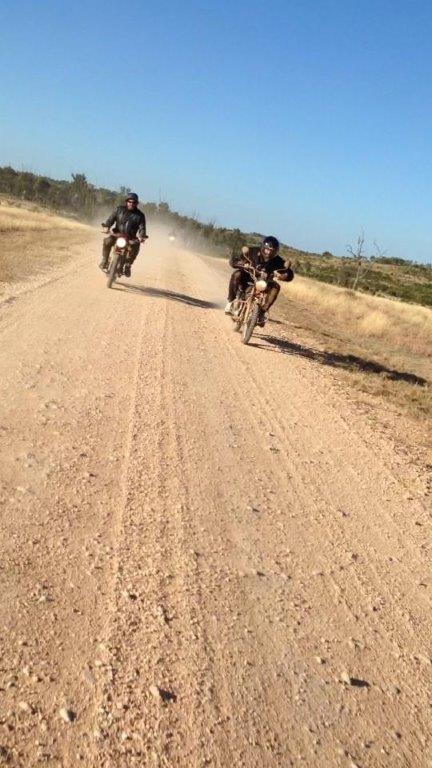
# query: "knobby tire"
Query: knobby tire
{"points": [[112, 272], [238, 322], [250, 325]]}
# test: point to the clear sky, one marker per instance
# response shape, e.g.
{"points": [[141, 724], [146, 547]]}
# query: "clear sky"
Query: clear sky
{"points": [[307, 119]]}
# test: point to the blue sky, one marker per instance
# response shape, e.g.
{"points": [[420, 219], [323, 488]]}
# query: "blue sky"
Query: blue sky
{"points": [[309, 120]]}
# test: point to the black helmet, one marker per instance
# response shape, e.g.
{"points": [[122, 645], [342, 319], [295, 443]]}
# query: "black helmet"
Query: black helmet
{"points": [[271, 242], [132, 196]]}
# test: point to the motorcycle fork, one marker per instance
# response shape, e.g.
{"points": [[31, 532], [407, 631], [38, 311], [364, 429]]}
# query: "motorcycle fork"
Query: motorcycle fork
{"points": [[122, 257]]}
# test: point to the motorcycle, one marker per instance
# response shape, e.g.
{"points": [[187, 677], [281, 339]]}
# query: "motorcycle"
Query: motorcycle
{"points": [[119, 256], [250, 303]]}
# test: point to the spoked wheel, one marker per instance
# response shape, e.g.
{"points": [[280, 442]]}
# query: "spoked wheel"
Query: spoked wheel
{"points": [[249, 326], [112, 271]]}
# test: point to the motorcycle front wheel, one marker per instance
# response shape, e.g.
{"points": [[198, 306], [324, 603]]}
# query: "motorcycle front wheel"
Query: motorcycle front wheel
{"points": [[237, 314], [238, 310], [112, 271], [249, 326]]}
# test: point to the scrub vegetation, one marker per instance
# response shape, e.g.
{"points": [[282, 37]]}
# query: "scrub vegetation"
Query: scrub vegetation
{"points": [[377, 274], [379, 345]]}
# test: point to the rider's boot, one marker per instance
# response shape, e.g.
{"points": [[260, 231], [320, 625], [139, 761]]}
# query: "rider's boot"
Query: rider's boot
{"points": [[262, 318], [127, 270], [228, 308], [104, 264]]}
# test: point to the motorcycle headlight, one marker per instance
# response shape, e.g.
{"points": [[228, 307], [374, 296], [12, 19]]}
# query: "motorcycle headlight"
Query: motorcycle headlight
{"points": [[121, 242], [261, 285]]}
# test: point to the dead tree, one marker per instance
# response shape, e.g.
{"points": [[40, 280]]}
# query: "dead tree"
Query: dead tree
{"points": [[360, 257], [363, 261]]}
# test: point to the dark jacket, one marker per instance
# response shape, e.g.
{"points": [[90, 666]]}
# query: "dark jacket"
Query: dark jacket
{"points": [[130, 223], [257, 259]]}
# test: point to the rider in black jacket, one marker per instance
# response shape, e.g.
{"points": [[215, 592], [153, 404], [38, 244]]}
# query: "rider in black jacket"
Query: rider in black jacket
{"points": [[126, 220], [265, 258]]}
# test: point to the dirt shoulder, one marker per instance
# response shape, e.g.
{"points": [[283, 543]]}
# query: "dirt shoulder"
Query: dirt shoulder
{"points": [[391, 386]]}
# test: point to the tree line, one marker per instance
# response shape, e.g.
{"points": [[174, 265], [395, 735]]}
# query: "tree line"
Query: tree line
{"points": [[86, 201], [375, 272]]}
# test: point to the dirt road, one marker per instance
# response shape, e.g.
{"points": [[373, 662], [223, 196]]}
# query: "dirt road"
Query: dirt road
{"points": [[207, 556]]}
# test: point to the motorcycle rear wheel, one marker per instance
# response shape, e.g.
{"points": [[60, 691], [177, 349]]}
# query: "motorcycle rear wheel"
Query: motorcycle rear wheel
{"points": [[249, 326]]}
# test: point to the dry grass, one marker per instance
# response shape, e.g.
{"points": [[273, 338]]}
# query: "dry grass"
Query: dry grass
{"points": [[24, 218], [380, 346], [396, 324], [33, 240]]}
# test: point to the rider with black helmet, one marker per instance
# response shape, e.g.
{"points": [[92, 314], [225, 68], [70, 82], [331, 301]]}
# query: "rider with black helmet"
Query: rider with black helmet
{"points": [[127, 220], [264, 257]]}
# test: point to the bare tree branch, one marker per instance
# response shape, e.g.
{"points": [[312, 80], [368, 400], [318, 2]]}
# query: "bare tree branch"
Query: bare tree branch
{"points": [[379, 253], [359, 255]]}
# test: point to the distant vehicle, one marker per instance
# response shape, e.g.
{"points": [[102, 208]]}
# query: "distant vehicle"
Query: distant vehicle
{"points": [[119, 257], [172, 237]]}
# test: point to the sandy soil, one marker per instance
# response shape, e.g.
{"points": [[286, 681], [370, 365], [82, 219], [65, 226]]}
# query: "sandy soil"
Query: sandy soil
{"points": [[208, 556]]}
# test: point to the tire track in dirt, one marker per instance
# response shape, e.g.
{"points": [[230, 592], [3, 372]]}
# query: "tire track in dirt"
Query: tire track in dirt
{"points": [[76, 747], [161, 573], [333, 532], [249, 527], [63, 435]]}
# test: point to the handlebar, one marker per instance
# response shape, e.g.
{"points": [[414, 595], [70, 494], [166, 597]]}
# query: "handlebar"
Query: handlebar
{"points": [[250, 267], [107, 230], [256, 273]]}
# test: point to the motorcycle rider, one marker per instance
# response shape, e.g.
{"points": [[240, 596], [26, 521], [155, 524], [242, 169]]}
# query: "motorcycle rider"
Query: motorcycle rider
{"points": [[127, 220], [264, 257]]}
